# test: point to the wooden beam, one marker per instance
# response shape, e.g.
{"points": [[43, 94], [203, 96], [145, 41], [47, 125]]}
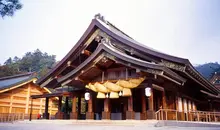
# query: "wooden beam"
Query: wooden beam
{"points": [[41, 104], [106, 105], [79, 105], [151, 101], [46, 108], [11, 102], [130, 103], [74, 104], [164, 100], [27, 98], [143, 101], [86, 52], [90, 104]]}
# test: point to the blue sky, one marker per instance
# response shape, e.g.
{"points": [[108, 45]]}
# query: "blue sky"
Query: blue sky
{"points": [[184, 28]]}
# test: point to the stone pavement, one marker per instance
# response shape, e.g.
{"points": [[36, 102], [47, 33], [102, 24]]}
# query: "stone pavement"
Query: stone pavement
{"points": [[93, 125]]}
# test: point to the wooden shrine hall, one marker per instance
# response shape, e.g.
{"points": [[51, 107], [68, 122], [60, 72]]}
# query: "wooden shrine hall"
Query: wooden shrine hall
{"points": [[112, 76]]}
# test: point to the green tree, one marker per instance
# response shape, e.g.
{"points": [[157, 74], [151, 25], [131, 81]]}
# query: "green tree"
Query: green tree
{"points": [[8, 61], [31, 62], [8, 7]]}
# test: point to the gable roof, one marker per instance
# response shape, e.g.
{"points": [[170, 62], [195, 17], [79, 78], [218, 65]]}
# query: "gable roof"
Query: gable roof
{"points": [[99, 23], [15, 81]]}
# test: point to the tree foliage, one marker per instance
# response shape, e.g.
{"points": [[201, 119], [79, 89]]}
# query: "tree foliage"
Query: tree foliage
{"points": [[31, 62], [8, 7], [208, 69]]}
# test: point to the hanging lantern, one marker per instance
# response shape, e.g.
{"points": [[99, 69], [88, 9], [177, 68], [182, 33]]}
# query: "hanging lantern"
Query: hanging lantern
{"points": [[148, 92], [87, 96], [120, 93], [107, 95]]}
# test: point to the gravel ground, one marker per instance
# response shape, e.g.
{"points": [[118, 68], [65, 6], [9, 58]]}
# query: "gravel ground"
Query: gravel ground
{"points": [[60, 126]]}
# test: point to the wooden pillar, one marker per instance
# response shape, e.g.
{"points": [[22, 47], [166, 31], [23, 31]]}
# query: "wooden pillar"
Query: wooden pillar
{"points": [[74, 114], [150, 111], [106, 114], [27, 98], [164, 106], [46, 108], [130, 113], [90, 105], [66, 108], [183, 110], [143, 102], [177, 108], [31, 110], [59, 104], [79, 106], [90, 113], [41, 103], [151, 101], [164, 100], [59, 114]]}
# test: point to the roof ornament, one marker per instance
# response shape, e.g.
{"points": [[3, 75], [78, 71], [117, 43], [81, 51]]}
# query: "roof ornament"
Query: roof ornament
{"points": [[100, 17], [105, 40]]}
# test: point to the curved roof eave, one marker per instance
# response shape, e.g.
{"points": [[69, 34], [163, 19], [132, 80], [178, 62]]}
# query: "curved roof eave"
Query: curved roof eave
{"points": [[208, 83], [64, 60], [130, 42], [122, 57]]}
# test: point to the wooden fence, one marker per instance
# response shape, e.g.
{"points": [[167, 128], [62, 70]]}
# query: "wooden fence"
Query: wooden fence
{"points": [[170, 114], [11, 117]]}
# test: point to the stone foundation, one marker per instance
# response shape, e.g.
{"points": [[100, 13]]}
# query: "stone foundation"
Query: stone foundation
{"points": [[130, 115], [90, 115], [106, 115]]}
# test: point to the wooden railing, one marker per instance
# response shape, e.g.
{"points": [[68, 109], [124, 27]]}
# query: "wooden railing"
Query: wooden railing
{"points": [[11, 117], [170, 114]]}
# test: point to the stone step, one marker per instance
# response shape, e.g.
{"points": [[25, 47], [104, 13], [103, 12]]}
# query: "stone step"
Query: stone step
{"points": [[96, 122]]}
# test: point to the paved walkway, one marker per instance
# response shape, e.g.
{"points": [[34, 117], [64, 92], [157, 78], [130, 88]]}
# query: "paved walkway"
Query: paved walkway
{"points": [[72, 125]]}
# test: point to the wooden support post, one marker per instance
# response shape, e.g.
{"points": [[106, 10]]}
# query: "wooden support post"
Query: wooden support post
{"points": [[41, 103], [183, 110], [130, 113], [106, 113], [179, 113], [164, 100], [79, 106], [11, 102], [143, 101], [164, 104], [90, 105], [74, 114], [46, 108], [66, 108], [90, 114], [31, 110], [150, 111], [60, 103], [59, 114], [27, 98]]}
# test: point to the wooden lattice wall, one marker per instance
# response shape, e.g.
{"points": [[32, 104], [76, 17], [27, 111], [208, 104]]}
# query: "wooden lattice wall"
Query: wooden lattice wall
{"points": [[18, 100]]}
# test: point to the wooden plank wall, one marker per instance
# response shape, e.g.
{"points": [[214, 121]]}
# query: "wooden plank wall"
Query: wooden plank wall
{"points": [[18, 101]]}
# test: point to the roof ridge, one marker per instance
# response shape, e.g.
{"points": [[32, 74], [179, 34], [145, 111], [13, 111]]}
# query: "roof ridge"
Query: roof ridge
{"points": [[17, 75], [102, 18]]}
